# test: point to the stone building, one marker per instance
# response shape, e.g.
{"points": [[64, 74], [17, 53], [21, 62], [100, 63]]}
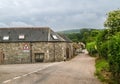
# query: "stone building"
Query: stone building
{"points": [[33, 44]]}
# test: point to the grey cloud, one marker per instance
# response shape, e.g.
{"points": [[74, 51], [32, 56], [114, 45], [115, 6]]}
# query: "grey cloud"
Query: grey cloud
{"points": [[58, 14], [3, 25], [19, 24]]}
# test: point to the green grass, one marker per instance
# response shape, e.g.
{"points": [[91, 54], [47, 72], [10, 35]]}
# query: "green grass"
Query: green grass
{"points": [[101, 67]]}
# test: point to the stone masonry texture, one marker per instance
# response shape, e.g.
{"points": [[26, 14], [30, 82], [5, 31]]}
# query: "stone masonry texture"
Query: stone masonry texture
{"points": [[24, 52]]}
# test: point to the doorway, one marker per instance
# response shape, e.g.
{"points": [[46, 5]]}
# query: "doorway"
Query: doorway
{"points": [[67, 52], [39, 57]]}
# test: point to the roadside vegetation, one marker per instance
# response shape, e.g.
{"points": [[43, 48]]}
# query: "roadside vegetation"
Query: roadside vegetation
{"points": [[102, 68], [105, 45]]}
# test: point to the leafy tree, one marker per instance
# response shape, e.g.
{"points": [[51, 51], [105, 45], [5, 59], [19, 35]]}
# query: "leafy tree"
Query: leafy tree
{"points": [[113, 20], [85, 35]]}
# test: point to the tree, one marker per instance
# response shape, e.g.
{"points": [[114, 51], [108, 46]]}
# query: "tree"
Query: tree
{"points": [[113, 20]]}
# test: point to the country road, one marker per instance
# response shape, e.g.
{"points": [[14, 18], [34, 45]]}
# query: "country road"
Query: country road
{"points": [[79, 70]]}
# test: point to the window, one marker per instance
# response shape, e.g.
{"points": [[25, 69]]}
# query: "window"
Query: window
{"points": [[39, 57], [54, 37], [5, 37], [21, 37]]}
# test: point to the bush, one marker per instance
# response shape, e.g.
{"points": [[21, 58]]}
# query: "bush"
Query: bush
{"points": [[103, 49], [114, 56], [101, 67], [91, 47], [108, 44], [114, 53], [102, 44]]}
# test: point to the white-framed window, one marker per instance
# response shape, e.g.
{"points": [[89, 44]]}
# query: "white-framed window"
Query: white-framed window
{"points": [[5, 37], [21, 36], [55, 37]]}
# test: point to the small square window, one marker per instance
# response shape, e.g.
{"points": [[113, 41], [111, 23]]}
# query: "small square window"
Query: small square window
{"points": [[54, 37], [21, 37], [5, 37]]}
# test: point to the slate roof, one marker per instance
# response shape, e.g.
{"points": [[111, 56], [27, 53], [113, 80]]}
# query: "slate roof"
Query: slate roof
{"points": [[32, 34], [65, 37]]}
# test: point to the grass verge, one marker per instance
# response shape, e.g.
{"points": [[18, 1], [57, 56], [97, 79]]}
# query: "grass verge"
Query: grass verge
{"points": [[102, 70]]}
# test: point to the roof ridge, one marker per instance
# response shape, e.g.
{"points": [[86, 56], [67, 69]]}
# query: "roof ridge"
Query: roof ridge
{"points": [[24, 28]]}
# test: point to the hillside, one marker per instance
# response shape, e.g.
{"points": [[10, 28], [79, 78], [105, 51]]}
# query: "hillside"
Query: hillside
{"points": [[70, 31]]}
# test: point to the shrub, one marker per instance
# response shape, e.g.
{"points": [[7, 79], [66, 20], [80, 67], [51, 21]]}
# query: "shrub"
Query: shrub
{"points": [[91, 47], [101, 67], [114, 56], [102, 44], [114, 53], [103, 49]]}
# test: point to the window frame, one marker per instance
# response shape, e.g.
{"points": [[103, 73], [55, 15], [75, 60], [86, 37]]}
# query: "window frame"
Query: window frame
{"points": [[55, 37], [21, 37], [6, 38]]}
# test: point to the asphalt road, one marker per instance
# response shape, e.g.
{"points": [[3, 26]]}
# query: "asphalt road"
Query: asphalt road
{"points": [[79, 70]]}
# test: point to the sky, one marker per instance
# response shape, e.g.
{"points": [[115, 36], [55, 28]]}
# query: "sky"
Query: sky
{"points": [[56, 14]]}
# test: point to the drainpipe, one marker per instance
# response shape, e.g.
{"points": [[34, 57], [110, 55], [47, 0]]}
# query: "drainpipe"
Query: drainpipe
{"points": [[31, 52]]}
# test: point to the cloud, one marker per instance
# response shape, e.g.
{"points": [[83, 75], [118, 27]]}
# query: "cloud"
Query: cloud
{"points": [[58, 14], [19, 24], [3, 25]]}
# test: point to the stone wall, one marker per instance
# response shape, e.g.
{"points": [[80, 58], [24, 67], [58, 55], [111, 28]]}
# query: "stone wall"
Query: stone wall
{"points": [[1, 57], [40, 47], [58, 51], [70, 46], [20, 53], [14, 53], [54, 51]]}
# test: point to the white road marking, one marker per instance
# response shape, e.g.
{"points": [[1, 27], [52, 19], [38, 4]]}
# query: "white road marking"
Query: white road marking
{"points": [[17, 77], [35, 71], [6, 81], [31, 72], [25, 75]]}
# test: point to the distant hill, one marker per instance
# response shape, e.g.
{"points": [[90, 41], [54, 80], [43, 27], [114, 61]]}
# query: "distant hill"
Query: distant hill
{"points": [[76, 30], [70, 31]]}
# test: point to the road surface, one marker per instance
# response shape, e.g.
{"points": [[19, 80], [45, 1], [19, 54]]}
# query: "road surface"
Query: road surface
{"points": [[79, 70]]}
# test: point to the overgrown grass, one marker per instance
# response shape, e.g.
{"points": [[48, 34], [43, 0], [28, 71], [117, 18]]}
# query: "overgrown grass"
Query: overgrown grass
{"points": [[102, 68]]}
